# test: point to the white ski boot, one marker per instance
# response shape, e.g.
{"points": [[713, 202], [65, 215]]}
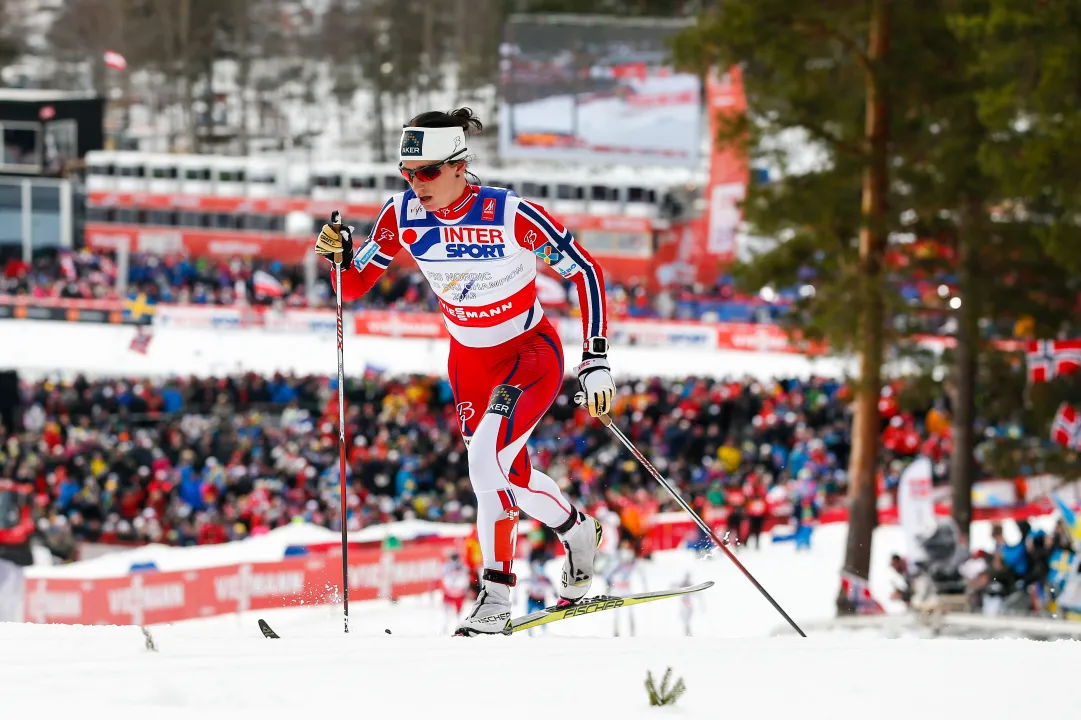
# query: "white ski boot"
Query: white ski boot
{"points": [[491, 611], [580, 535]]}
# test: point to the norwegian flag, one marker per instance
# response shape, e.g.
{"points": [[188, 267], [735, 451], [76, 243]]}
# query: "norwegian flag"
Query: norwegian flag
{"points": [[1066, 428], [266, 285], [1047, 359], [67, 266], [115, 60], [859, 595], [141, 342]]}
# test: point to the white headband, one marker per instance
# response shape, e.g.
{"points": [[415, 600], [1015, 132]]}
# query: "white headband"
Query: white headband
{"points": [[436, 144]]}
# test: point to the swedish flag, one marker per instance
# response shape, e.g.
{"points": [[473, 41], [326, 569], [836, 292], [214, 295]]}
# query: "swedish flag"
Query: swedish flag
{"points": [[1062, 563], [137, 307], [1069, 516]]}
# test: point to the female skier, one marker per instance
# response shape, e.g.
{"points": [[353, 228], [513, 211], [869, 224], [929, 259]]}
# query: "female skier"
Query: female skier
{"points": [[478, 247]]}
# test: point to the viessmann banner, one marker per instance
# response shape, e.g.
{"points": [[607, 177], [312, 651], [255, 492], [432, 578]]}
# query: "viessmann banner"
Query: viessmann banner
{"points": [[596, 90], [160, 597]]}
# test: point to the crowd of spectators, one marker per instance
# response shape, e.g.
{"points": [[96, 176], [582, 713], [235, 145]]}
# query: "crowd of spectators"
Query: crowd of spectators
{"points": [[186, 461], [90, 274], [205, 281], [1021, 575]]}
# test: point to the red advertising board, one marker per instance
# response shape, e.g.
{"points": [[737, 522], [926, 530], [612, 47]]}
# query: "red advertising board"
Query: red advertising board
{"points": [[197, 242], [749, 337], [760, 338], [161, 597], [241, 205], [396, 324]]}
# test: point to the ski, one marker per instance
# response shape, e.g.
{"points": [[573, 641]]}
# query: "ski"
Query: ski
{"points": [[593, 605], [588, 606], [267, 631]]}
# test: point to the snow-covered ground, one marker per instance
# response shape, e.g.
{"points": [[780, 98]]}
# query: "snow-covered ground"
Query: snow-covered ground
{"points": [[733, 666], [105, 672]]}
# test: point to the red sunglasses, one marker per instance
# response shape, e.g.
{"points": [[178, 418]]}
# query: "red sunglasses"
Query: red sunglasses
{"points": [[427, 173]]}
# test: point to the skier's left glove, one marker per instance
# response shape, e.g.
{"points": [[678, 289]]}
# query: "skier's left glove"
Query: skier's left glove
{"points": [[595, 377]]}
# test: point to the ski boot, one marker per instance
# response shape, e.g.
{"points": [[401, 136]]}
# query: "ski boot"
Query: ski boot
{"points": [[580, 535], [491, 611]]}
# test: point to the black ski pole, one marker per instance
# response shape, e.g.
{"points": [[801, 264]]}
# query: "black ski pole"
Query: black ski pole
{"points": [[336, 221], [610, 424]]}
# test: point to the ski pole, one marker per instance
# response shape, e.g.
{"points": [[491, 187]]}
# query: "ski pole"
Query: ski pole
{"points": [[607, 421], [336, 221]]}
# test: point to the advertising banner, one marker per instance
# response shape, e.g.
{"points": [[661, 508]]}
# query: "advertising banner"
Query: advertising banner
{"points": [[396, 324], [111, 312], [232, 204], [204, 316], [196, 242], [161, 597], [728, 170], [303, 321]]}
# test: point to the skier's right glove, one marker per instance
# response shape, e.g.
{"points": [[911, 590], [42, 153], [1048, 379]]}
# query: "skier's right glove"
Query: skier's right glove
{"points": [[336, 238]]}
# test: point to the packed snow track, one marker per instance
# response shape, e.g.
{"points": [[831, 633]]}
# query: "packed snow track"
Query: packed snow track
{"points": [[62, 671]]}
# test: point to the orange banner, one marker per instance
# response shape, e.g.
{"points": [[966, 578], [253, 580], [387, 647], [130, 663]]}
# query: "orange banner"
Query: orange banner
{"points": [[728, 169]]}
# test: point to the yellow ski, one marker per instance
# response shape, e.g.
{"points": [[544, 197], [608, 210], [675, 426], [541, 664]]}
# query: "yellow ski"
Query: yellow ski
{"points": [[593, 605]]}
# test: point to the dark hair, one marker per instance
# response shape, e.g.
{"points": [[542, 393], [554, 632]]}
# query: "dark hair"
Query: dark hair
{"points": [[462, 117]]}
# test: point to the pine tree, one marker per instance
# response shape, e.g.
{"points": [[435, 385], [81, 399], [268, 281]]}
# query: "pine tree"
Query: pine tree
{"points": [[826, 77], [1013, 263], [891, 96], [1027, 59]]}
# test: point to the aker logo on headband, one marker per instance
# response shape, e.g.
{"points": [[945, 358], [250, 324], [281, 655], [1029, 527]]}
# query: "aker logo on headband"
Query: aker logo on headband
{"points": [[412, 143]]}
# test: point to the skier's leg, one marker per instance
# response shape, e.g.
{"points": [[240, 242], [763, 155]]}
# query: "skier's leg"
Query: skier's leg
{"points": [[538, 377], [472, 381]]}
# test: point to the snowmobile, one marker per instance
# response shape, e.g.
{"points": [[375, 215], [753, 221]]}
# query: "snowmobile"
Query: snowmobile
{"points": [[944, 557]]}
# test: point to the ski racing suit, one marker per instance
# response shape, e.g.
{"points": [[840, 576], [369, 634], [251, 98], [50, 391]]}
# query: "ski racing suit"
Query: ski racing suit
{"points": [[506, 362]]}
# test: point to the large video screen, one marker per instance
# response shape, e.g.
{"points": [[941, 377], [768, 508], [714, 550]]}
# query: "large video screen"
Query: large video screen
{"points": [[598, 91]]}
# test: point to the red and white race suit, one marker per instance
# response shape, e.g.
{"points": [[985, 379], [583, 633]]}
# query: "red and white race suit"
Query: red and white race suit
{"points": [[506, 362]]}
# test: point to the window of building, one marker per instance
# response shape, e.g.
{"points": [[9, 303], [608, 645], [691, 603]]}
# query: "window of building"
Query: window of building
{"points": [[569, 192], [231, 176], [21, 146], [61, 145]]}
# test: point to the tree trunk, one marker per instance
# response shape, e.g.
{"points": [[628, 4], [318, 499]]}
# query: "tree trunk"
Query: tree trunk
{"points": [[964, 404], [863, 464]]}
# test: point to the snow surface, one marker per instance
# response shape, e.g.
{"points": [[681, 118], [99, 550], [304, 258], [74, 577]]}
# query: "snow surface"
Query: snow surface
{"points": [[106, 672], [222, 667]]}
